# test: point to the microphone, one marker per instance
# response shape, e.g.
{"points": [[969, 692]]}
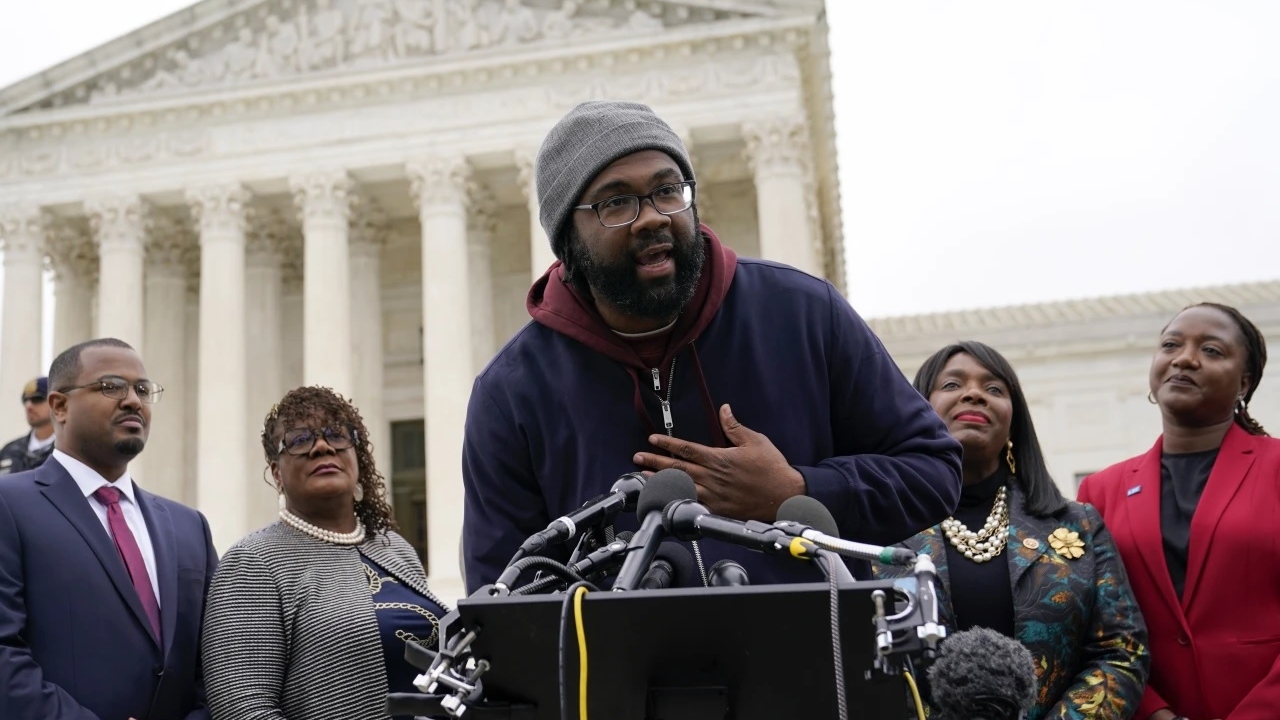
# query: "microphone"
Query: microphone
{"points": [[622, 496], [663, 488], [802, 514], [727, 573], [690, 520], [808, 518], [982, 675], [671, 563]]}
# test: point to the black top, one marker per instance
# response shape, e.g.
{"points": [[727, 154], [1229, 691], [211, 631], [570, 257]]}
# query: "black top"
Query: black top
{"points": [[1182, 480], [981, 595]]}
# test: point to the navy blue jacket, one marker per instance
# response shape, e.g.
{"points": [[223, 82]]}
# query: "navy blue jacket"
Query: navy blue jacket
{"points": [[75, 643], [553, 422]]}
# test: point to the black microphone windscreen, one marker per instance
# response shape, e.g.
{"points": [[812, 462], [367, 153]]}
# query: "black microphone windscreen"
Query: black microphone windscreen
{"points": [[981, 673], [664, 487], [805, 510], [679, 556]]}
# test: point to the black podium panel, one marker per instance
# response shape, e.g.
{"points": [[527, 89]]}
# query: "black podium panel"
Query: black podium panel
{"points": [[746, 653]]}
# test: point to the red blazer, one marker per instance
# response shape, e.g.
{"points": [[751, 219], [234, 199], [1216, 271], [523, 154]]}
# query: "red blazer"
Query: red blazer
{"points": [[1215, 654]]}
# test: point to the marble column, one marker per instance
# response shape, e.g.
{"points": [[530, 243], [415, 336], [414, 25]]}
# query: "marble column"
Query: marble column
{"points": [[264, 296], [482, 225], [74, 258], [119, 225], [368, 235], [777, 150], [323, 199], [291, 309], [440, 186], [221, 463], [22, 240], [540, 255], [191, 436], [163, 467]]}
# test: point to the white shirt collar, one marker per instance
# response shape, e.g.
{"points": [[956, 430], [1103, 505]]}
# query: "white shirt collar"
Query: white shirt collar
{"points": [[89, 480]]}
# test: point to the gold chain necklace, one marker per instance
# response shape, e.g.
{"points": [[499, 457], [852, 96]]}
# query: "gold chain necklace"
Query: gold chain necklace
{"points": [[989, 541]]}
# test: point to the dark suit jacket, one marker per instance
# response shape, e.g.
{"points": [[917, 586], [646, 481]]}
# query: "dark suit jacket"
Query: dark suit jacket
{"points": [[75, 643], [1077, 616], [1215, 653]]}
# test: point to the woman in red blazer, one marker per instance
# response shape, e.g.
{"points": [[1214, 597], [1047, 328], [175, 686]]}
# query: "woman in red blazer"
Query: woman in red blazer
{"points": [[1195, 520]]}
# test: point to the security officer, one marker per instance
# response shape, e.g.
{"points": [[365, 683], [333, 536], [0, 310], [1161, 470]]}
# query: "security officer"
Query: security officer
{"points": [[31, 450]]}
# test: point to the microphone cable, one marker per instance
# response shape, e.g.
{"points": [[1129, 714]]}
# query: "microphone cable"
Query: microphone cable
{"points": [[573, 605], [915, 690], [837, 650], [563, 571]]}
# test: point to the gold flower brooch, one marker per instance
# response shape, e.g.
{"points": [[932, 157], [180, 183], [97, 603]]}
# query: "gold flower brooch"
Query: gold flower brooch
{"points": [[1067, 543]]}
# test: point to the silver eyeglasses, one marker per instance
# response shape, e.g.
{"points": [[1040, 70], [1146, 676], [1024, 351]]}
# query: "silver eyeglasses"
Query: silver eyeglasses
{"points": [[621, 210], [117, 388]]}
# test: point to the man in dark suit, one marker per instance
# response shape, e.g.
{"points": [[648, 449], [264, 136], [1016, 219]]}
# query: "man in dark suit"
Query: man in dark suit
{"points": [[102, 584]]}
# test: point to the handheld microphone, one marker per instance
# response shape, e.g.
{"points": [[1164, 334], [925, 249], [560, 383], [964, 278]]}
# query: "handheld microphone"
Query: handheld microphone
{"points": [[808, 518], [691, 520], [982, 675], [671, 563], [622, 496], [593, 567], [727, 573], [663, 488]]}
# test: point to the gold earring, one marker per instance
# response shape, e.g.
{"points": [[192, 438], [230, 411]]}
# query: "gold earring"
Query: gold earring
{"points": [[1151, 398], [1008, 457]]}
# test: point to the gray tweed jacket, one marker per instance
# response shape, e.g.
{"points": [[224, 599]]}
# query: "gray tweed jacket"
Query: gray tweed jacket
{"points": [[290, 631]]}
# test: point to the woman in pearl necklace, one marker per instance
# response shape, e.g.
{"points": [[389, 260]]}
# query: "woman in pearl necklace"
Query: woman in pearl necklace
{"points": [[1018, 558], [307, 619]]}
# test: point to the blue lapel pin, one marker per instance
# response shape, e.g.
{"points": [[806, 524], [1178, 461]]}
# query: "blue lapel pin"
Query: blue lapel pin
{"points": [[1134, 490]]}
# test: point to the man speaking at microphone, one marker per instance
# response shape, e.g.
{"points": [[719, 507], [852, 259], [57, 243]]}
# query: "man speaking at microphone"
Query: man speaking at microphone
{"points": [[654, 346]]}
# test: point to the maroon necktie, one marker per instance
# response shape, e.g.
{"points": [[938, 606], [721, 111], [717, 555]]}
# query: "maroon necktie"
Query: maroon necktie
{"points": [[129, 552]]}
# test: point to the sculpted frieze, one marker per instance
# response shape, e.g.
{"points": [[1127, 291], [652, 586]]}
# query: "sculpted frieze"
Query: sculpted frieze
{"points": [[288, 38]]}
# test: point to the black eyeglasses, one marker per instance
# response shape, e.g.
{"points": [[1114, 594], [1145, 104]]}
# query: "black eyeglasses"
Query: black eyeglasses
{"points": [[621, 210], [117, 388], [300, 441]]}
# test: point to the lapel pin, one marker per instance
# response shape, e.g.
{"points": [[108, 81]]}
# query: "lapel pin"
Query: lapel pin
{"points": [[1067, 543], [1134, 490]]}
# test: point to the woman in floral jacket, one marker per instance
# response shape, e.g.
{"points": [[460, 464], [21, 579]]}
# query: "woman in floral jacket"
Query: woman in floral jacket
{"points": [[1018, 558]]}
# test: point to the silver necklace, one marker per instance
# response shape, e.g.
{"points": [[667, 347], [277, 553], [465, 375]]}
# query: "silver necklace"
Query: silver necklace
{"points": [[355, 537]]}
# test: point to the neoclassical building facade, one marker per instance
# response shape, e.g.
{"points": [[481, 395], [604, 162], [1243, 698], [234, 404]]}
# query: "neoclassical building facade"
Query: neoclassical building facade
{"points": [[260, 194]]}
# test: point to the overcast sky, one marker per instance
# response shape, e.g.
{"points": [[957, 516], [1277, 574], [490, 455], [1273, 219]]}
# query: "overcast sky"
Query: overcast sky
{"points": [[993, 153]]}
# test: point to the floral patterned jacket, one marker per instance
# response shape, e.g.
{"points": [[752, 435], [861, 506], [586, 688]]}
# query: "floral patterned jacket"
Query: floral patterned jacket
{"points": [[1073, 609]]}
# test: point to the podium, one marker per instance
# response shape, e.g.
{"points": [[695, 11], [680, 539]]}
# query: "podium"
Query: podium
{"points": [[731, 653]]}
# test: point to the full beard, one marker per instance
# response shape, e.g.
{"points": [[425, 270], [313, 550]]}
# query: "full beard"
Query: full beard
{"points": [[617, 282]]}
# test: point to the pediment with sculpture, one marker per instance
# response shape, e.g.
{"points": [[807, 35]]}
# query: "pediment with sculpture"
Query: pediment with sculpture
{"points": [[281, 39]]}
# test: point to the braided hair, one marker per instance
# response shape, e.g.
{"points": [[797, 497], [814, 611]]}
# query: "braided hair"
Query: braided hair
{"points": [[307, 403], [1255, 361]]}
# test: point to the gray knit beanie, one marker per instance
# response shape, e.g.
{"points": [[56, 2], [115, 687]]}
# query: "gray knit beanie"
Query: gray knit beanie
{"points": [[588, 140]]}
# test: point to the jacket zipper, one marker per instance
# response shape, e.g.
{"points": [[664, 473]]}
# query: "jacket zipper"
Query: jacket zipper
{"points": [[669, 423]]}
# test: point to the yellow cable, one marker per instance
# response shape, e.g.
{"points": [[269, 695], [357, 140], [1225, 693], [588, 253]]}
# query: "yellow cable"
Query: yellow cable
{"points": [[582, 653], [915, 695]]}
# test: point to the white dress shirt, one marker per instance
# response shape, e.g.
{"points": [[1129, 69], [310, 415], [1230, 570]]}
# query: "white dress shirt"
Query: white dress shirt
{"points": [[89, 481]]}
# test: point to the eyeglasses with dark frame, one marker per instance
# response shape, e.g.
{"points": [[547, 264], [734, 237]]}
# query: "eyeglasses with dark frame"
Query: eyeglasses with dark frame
{"points": [[622, 210], [300, 441], [117, 388]]}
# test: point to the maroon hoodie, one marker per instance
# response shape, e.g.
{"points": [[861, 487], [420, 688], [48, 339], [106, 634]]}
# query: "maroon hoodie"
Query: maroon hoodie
{"points": [[559, 306]]}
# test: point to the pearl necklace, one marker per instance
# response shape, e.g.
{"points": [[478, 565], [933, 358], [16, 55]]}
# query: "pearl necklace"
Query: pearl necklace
{"points": [[986, 543], [355, 537]]}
